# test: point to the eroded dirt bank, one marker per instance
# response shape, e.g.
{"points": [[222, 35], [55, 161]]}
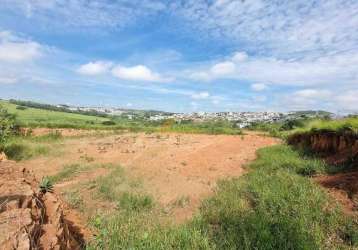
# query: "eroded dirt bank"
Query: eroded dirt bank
{"points": [[340, 149], [30, 219], [334, 147]]}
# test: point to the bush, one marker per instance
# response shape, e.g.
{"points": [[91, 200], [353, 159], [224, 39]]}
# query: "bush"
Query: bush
{"points": [[17, 151], [291, 124], [108, 123], [8, 127], [21, 108]]}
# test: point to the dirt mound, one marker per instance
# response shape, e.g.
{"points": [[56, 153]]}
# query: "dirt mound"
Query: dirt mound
{"points": [[334, 147], [30, 219]]}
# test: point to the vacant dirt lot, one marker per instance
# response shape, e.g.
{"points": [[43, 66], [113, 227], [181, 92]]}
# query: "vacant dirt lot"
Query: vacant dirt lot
{"points": [[170, 166]]}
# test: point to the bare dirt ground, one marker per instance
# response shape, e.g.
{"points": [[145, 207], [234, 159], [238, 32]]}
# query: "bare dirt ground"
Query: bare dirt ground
{"points": [[171, 166], [344, 188]]}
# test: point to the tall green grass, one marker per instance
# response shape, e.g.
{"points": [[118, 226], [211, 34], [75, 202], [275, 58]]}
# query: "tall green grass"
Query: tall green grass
{"points": [[340, 125]]}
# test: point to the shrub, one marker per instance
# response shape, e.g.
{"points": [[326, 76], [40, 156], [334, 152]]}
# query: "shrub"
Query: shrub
{"points": [[108, 123], [17, 151], [21, 108]]}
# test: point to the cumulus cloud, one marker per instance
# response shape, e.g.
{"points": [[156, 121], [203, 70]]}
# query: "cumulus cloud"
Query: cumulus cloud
{"points": [[219, 70], [301, 71], [258, 86], [14, 49], [94, 68], [138, 73], [223, 68]]}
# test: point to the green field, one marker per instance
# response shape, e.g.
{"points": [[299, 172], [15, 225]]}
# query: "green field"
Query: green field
{"points": [[31, 117]]}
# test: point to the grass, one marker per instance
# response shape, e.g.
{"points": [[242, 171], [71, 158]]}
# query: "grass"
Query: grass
{"points": [[26, 147], [275, 206], [285, 157], [32, 117], [74, 199], [139, 231], [340, 125], [126, 193], [71, 170], [67, 171], [19, 149]]}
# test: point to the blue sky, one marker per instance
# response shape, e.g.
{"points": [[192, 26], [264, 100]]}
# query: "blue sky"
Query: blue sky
{"points": [[182, 56]]}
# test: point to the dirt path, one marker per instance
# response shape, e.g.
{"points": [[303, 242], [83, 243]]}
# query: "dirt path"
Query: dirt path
{"points": [[172, 166]]}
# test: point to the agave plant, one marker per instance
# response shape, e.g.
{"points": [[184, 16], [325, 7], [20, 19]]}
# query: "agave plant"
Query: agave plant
{"points": [[46, 185]]}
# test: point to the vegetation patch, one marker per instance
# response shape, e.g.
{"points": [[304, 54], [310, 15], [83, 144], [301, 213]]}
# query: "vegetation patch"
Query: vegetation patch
{"points": [[285, 157], [274, 206], [126, 193], [74, 199], [17, 149], [71, 170]]}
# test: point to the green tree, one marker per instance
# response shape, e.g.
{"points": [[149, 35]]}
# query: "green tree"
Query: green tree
{"points": [[8, 126]]}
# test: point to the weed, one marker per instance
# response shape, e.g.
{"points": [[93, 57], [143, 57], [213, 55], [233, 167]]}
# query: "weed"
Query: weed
{"points": [[181, 202], [74, 199], [66, 172], [135, 202], [87, 158]]}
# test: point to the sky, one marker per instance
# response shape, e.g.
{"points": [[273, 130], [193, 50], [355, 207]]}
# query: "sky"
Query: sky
{"points": [[182, 55]]}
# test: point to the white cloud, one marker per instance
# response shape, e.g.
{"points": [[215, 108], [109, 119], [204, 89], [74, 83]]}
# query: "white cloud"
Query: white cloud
{"points": [[94, 68], [348, 100], [8, 80], [307, 99], [240, 57], [200, 95], [258, 86], [138, 73], [223, 69], [313, 93], [219, 70], [14, 49], [304, 71]]}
